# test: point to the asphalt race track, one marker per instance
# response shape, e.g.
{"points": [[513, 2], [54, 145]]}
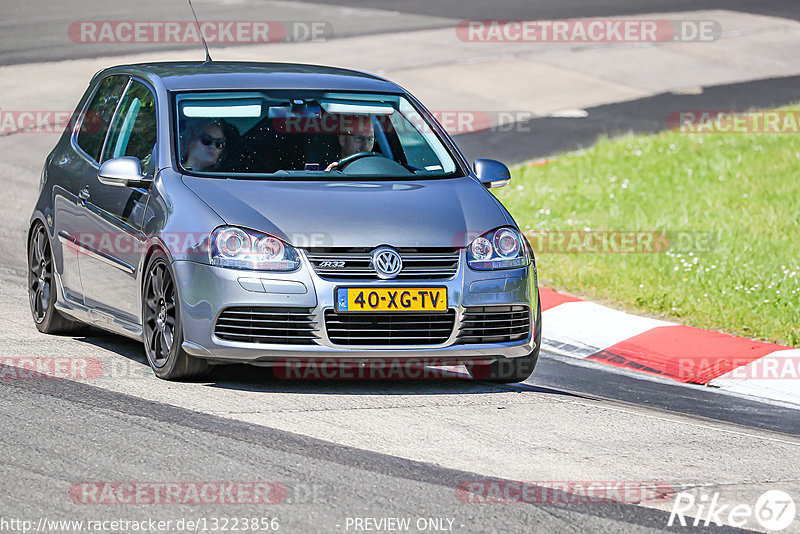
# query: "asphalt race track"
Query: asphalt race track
{"points": [[34, 30], [539, 138], [349, 451]]}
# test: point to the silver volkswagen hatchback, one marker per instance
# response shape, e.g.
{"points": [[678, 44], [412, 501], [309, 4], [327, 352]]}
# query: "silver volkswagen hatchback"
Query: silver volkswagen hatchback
{"points": [[270, 213]]}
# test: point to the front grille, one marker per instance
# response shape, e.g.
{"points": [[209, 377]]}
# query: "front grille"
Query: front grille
{"points": [[356, 264], [260, 324], [404, 328], [494, 324]]}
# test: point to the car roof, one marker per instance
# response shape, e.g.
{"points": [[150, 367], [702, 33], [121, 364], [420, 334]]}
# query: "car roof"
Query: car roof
{"points": [[180, 76]]}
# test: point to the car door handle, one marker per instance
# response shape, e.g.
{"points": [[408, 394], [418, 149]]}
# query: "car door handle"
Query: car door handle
{"points": [[84, 193]]}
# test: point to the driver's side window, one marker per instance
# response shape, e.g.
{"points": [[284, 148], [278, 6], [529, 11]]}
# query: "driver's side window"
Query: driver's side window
{"points": [[133, 130]]}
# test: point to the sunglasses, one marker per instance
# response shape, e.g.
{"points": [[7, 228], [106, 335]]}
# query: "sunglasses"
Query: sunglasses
{"points": [[207, 140]]}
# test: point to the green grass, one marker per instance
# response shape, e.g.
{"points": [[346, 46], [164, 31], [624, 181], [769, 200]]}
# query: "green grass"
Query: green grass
{"points": [[743, 189]]}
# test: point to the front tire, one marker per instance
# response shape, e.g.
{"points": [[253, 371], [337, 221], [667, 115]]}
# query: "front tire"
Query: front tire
{"points": [[161, 324], [41, 287]]}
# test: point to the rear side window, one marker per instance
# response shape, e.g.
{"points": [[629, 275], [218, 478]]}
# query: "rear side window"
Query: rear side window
{"points": [[98, 115], [133, 132]]}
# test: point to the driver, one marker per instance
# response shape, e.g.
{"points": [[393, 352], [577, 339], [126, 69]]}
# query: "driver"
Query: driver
{"points": [[357, 136], [203, 145]]}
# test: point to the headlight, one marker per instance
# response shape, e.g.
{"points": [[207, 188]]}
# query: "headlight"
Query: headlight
{"points": [[500, 249], [245, 249]]}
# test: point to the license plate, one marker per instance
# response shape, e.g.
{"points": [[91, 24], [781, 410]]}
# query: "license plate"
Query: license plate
{"points": [[389, 299]]}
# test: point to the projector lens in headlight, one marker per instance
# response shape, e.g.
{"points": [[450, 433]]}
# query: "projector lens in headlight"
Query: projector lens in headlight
{"points": [[499, 249], [232, 241], [506, 243], [481, 249]]}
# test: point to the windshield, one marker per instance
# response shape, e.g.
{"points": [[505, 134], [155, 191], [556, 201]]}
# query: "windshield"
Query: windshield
{"points": [[307, 134]]}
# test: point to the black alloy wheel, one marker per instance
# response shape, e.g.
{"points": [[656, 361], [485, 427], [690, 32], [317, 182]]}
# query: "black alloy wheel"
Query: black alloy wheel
{"points": [[41, 287], [161, 324]]}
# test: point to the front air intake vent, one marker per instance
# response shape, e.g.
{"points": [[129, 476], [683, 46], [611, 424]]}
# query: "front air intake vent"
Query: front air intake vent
{"points": [[494, 324], [404, 328], [267, 325]]}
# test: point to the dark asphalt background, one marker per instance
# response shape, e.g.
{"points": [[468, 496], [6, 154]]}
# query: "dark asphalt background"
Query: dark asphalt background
{"points": [[58, 433], [36, 30], [546, 136]]}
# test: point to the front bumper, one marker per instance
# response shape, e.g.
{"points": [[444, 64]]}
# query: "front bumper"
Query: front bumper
{"points": [[205, 291]]}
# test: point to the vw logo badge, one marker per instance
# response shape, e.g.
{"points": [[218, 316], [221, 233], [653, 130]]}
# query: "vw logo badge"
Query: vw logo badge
{"points": [[387, 262]]}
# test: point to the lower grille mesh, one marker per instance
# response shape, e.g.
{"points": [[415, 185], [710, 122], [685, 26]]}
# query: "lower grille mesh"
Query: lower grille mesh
{"points": [[406, 328], [494, 324], [260, 324]]}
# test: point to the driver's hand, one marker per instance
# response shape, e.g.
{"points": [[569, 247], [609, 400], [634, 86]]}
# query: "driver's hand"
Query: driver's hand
{"points": [[332, 166]]}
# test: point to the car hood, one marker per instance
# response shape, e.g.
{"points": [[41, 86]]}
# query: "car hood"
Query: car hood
{"points": [[431, 213]]}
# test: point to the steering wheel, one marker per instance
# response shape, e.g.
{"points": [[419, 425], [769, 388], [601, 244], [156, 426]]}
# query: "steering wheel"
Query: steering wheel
{"points": [[344, 162]]}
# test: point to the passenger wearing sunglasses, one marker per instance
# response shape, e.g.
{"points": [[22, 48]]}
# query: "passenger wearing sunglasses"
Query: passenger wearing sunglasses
{"points": [[202, 145], [357, 135]]}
